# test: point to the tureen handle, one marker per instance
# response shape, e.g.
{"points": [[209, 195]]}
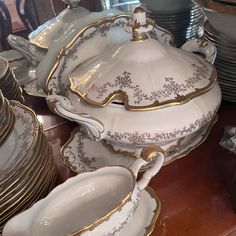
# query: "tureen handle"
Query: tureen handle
{"points": [[205, 47], [63, 107], [148, 154]]}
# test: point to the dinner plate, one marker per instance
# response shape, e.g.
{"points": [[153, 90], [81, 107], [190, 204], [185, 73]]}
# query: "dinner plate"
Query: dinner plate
{"points": [[81, 154]]}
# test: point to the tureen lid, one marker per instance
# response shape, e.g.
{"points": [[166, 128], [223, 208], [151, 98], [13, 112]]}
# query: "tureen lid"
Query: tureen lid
{"points": [[54, 28], [143, 74]]}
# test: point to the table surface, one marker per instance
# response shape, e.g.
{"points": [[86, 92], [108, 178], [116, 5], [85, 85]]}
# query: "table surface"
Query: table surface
{"points": [[197, 192]]}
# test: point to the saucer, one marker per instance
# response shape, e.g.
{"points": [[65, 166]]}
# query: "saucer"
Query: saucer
{"points": [[81, 154], [143, 221]]}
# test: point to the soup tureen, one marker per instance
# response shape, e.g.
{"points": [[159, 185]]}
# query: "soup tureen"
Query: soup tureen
{"points": [[143, 92]]}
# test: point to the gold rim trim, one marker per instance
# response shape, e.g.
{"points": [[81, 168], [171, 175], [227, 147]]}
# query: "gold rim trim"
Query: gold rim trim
{"points": [[204, 137], [97, 24], [65, 158], [150, 228], [106, 217], [18, 175], [7, 68], [80, 34], [123, 97], [36, 191], [37, 44], [218, 7], [136, 155], [36, 125]]}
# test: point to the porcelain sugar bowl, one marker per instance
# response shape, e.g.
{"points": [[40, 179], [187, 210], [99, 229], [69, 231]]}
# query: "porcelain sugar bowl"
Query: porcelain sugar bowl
{"points": [[95, 203], [143, 92]]}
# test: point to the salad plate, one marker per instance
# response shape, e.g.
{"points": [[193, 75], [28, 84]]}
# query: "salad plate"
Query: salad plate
{"points": [[81, 154]]}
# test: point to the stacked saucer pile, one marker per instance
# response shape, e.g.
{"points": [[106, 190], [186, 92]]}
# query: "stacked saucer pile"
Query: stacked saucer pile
{"points": [[183, 21], [27, 170], [8, 83], [225, 62]]}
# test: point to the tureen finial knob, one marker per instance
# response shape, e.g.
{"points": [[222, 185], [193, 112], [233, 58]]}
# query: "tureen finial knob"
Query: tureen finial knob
{"points": [[139, 24]]}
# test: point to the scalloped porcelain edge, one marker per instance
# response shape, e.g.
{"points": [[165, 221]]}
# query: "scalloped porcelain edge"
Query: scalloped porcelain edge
{"points": [[90, 206]]}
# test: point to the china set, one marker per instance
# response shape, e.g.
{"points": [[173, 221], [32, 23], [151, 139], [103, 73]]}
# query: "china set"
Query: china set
{"points": [[27, 170], [8, 84], [140, 103]]}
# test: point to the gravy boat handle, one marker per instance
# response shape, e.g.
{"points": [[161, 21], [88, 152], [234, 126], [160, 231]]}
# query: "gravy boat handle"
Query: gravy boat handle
{"points": [[148, 154]]}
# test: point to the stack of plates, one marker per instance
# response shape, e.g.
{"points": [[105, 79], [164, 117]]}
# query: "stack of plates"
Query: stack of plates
{"points": [[184, 24], [27, 169], [8, 83], [7, 118], [225, 62]]}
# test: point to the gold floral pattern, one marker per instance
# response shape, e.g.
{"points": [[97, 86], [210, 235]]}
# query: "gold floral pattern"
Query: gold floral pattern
{"points": [[137, 138], [170, 87], [57, 85]]}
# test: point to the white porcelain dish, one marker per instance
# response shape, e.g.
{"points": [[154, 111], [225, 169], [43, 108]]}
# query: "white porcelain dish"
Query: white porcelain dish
{"points": [[131, 96], [95, 203], [81, 154], [94, 39]]}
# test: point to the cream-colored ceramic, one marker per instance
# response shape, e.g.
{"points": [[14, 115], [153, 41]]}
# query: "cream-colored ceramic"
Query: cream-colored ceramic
{"points": [[27, 169], [222, 16], [21, 141], [81, 154], [58, 45], [95, 203], [58, 26], [92, 41], [143, 221], [21, 67], [143, 92], [32, 53]]}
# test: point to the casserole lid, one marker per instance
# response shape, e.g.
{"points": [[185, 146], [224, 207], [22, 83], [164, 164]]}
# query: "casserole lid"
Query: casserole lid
{"points": [[54, 28], [143, 74]]}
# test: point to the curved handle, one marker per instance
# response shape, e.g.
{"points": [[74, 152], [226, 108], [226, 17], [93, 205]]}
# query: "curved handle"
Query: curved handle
{"points": [[148, 154], [202, 46], [63, 107]]}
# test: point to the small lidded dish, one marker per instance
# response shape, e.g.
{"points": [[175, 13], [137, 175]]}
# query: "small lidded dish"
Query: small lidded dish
{"points": [[145, 92]]}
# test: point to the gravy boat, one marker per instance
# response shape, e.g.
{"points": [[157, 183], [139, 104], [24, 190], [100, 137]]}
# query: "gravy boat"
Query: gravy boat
{"points": [[94, 203]]}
